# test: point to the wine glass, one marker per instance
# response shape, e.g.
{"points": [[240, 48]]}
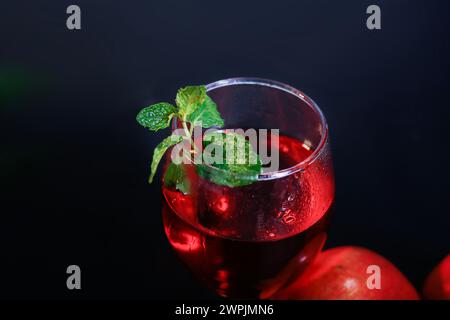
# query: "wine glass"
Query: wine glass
{"points": [[250, 241]]}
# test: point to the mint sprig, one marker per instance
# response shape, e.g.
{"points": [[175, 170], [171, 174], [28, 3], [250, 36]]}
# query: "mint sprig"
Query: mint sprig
{"points": [[195, 108]]}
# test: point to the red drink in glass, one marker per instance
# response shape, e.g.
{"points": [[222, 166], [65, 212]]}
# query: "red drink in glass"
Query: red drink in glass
{"points": [[249, 241]]}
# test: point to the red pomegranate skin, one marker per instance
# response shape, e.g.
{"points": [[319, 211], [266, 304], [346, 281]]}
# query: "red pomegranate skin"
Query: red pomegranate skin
{"points": [[342, 274], [437, 284]]}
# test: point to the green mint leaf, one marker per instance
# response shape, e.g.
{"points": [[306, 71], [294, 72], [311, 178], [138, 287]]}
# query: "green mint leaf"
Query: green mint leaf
{"points": [[206, 115], [189, 99], [226, 178], [239, 168], [156, 116], [175, 177], [159, 151]]}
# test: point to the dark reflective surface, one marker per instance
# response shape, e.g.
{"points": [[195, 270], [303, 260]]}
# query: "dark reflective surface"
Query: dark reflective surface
{"points": [[74, 163]]}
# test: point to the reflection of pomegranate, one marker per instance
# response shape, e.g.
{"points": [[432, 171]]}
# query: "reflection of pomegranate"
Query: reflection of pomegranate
{"points": [[437, 284], [350, 273]]}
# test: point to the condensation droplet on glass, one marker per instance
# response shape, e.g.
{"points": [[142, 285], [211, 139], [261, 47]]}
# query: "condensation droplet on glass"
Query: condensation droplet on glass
{"points": [[288, 217]]}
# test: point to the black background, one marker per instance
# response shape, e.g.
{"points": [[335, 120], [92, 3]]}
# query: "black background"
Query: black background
{"points": [[74, 163]]}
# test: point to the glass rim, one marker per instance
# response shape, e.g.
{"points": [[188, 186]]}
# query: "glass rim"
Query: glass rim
{"points": [[288, 89]]}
